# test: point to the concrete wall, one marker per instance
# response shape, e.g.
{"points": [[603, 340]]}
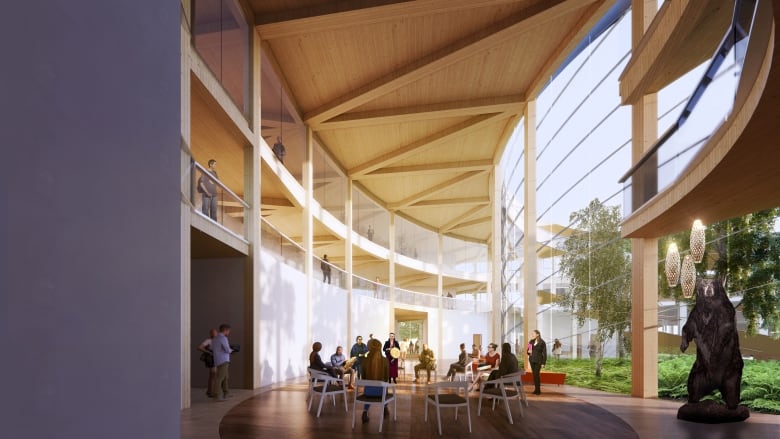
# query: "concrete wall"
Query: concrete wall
{"points": [[91, 149]]}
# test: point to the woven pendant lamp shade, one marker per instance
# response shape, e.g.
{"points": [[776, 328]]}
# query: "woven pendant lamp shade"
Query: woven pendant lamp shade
{"points": [[697, 241], [688, 276], [672, 265]]}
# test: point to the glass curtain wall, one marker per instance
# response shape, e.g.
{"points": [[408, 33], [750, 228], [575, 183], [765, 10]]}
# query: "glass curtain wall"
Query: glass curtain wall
{"points": [[281, 127], [583, 146], [221, 37], [464, 256], [369, 219], [330, 185]]}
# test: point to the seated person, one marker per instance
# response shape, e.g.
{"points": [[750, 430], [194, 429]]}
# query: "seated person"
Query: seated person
{"points": [[460, 365], [315, 362], [375, 367], [338, 361], [492, 359], [427, 362], [507, 365]]}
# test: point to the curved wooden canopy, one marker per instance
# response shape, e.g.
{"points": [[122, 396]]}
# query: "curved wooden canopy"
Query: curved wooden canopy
{"points": [[416, 100], [736, 172]]}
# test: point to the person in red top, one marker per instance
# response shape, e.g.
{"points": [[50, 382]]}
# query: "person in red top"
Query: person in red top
{"points": [[492, 359]]}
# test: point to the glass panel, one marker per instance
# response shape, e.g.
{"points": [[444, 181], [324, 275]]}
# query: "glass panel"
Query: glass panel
{"points": [[330, 186], [369, 219], [221, 37], [281, 128], [287, 250], [707, 107], [464, 256], [369, 288], [416, 242], [330, 272], [214, 200]]}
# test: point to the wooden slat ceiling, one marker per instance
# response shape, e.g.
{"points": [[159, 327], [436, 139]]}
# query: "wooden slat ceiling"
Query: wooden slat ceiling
{"points": [[416, 99]]}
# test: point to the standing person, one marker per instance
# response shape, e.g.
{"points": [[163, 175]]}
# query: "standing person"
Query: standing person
{"points": [[279, 150], [221, 348], [537, 358], [460, 365], [391, 361], [315, 361], [208, 190], [338, 361], [370, 232], [359, 350], [557, 348], [207, 357], [404, 347], [325, 266], [427, 362], [376, 368]]}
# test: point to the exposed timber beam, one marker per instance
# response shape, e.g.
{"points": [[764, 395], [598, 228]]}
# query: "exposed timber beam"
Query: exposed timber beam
{"points": [[434, 190], [447, 202], [473, 222], [511, 27], [450, 133], [428, 169], [460, 218], [510, 104]]}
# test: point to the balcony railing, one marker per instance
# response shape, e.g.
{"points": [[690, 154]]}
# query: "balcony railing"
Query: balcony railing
{"points": [[223, 206]]}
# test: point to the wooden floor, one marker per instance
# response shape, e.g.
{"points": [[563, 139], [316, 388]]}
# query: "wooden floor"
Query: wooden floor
{"points": [[560, 412]]}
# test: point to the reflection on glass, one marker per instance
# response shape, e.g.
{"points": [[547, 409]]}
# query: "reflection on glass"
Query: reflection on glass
{"points": [[369, 219], [330, 186], [221, 37]]}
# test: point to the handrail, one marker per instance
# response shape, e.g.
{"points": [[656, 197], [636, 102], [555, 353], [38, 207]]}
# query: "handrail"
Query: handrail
{"points": [[735, 33], [222, 185]]}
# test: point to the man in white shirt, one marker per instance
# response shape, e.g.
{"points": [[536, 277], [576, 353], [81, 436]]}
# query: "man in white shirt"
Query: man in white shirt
{"points": [[208, 358]]}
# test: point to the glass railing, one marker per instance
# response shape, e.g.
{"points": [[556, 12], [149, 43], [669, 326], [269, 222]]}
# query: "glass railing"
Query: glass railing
{"points": [[283, 247], [330, 273], [368, 288], [709, 105], [414, 298], [212, 199]]}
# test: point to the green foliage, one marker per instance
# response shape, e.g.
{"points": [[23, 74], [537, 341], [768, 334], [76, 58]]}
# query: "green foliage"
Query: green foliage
{"points": [[745, 252], [597, 262], [760, 388]]}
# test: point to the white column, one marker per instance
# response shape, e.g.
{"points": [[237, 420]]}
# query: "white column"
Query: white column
{"points": [[348, 259], [391, 274], [440, 290], [495, 250], [529, 226], [308, 225]]}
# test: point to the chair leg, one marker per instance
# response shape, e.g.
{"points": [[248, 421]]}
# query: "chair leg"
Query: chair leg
{"points": [[381, 418], [322, 399], [479, 405], [508, 412], [438, 418], [346, 408], [468, 414]]}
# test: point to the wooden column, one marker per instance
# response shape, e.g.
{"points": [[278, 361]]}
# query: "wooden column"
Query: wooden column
{"points": [[644, 252], [308, 224]]}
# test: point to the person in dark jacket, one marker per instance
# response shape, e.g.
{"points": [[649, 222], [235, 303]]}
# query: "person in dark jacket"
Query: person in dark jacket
{"points": [[315, 361], [537, 358], [507, 365], [460, 365]]}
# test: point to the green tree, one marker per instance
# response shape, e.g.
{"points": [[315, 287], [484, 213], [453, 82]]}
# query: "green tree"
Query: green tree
{"points": [[597, 262], [745, 253]]}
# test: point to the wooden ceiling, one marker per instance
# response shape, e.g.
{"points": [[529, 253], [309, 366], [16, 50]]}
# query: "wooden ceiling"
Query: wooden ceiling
{"points": [[417, 99]]}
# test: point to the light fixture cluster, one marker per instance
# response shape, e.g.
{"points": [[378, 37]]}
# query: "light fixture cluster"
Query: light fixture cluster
{"points": [[686, 274]]}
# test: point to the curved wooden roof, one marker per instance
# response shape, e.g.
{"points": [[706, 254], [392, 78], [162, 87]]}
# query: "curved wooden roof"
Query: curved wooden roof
{"points": [[416, 100]]}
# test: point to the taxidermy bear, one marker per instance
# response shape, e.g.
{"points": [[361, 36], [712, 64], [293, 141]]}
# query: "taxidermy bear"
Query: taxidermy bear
{"points": [[718, 364]]}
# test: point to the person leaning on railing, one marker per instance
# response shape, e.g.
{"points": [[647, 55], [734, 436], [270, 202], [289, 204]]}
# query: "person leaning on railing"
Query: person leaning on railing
{"points": [[208, 190]]}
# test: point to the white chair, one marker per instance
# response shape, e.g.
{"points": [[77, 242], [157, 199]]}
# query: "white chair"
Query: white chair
{"points": [[435, 396], [508, 387], [466, 375], [323, 384], [388, 396]]}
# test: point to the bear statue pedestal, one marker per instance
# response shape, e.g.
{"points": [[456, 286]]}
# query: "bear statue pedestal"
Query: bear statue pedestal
{"points": [[710, 412]]}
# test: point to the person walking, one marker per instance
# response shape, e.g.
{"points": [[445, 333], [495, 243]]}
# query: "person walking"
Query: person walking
{"points": [[221, 348], [537, 358]]}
